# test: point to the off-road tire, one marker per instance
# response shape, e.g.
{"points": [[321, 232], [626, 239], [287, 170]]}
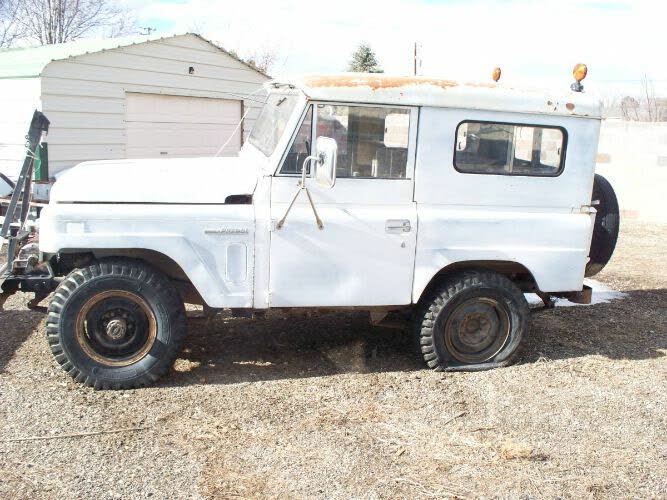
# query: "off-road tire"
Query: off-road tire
{"points": [[457, 290], [606, 227], [133, 277]]}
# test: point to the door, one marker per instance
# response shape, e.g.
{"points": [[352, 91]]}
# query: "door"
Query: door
{"points": [[180, 126], [364, 255]]}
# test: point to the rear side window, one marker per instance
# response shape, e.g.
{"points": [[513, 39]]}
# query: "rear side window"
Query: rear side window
{"points": [[509, 149]]}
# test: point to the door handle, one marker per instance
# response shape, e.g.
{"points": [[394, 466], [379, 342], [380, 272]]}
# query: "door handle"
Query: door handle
{"points": [[397, 226]]}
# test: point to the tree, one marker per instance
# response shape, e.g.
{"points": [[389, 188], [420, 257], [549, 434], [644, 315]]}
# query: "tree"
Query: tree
{"points": [[263, 60], [8, 22], [58, 21], [652, 112], [364, 61], [630, 108]]}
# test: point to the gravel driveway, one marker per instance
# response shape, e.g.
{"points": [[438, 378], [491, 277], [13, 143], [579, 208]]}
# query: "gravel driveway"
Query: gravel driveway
{"points": [[332, 407]]}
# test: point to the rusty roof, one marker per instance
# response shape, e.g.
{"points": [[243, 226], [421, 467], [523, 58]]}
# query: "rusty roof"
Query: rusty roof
{"points": [[374, 88]]}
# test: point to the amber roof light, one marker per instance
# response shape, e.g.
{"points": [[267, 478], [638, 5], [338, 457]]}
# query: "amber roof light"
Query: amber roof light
{"points": [[580, 71]]}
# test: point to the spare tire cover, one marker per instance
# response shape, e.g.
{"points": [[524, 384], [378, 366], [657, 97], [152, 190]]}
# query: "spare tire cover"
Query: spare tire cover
{"points": [[605, 230]]}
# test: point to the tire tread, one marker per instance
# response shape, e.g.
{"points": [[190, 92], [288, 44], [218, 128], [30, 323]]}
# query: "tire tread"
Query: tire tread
{"points": [[435, 301], [145, 276]]}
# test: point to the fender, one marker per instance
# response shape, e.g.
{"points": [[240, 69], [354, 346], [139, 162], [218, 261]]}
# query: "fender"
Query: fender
{"points": [[213, 244], [552, 246]]}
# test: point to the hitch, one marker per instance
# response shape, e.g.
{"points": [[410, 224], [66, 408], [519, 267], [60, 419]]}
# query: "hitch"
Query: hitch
{"points": [[15, 274], [40, 285]]}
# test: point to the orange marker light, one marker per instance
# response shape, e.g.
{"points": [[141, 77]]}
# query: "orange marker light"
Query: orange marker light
{"points": [[496, 74], [579, 72]]}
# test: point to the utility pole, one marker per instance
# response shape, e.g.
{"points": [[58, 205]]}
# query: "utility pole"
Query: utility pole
{"points": [[415, 60]]}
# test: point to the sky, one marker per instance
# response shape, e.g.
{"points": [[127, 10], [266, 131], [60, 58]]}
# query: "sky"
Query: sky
{"points": [[536, 43]]}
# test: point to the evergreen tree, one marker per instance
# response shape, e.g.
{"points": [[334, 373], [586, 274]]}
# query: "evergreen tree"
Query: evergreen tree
{"points": [[364, 61]]}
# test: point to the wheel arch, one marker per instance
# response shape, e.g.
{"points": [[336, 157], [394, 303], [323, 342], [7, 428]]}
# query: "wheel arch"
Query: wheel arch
{"points": [[70, 259], [514, 271]]}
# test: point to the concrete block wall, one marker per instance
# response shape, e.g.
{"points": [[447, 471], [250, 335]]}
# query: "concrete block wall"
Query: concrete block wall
{"points": [[633, 156]]}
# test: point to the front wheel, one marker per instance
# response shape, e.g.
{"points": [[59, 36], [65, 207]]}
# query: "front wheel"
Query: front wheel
{"points": [[116, 324], [473, 320]]}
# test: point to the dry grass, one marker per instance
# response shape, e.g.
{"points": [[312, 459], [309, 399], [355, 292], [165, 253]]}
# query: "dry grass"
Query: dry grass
{"points": [[332, 407]]}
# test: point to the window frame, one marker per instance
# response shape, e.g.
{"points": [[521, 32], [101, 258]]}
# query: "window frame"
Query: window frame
{"points": [[275, 148], [561, 166], [412, 137]]}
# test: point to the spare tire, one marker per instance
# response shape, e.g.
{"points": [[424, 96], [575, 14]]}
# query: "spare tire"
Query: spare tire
{"points": [[605, 230]]}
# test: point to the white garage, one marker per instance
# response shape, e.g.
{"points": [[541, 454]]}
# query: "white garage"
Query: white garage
{"points": [[137, 97]]}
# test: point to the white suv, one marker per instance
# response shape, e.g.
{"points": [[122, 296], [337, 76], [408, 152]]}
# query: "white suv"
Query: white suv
{"points": [[441, 199]]}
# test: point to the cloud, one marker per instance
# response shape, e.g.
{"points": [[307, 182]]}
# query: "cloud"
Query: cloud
{"points": [[536, 43]]}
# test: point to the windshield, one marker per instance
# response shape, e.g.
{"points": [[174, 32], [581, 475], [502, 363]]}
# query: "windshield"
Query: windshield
{"points": [[272, 121]]}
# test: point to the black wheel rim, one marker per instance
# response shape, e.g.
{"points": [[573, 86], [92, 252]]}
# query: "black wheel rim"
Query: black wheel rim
{"points": [[116, 328], [477, 330]]}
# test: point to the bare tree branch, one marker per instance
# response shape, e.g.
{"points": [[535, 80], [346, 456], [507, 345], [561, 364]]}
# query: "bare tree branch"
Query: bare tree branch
{"points": [[263, 60], [8, 22], [59, 21], [652, 111]]}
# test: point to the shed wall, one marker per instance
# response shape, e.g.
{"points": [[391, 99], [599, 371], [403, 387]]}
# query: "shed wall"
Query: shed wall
{"points": [[19, 97], [84, 96]]}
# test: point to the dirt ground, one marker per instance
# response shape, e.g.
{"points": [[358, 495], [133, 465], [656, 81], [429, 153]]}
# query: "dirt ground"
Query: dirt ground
{"points": [[332, 407]]}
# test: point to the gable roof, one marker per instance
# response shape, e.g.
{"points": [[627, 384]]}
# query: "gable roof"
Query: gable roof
{"points": [[29, 62]]}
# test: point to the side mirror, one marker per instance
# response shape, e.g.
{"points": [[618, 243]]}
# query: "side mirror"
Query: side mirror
{"points": [[6, 186], [325, 166]]}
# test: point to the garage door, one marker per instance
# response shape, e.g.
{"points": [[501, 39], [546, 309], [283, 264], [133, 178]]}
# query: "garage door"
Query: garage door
{"points": [[177, 126]]}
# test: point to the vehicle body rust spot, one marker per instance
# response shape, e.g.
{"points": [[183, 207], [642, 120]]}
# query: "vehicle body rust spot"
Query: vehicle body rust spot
{"points": [[569, 106], [377, 82]]}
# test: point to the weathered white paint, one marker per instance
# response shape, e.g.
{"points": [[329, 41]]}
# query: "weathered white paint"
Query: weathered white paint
{"points": [[438, 92], [196, 237], [542, 223], [155, 181], [535, 221]]}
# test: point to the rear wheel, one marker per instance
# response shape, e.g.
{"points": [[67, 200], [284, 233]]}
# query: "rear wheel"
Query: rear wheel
{"points": [[473, 320], [116, 324]]}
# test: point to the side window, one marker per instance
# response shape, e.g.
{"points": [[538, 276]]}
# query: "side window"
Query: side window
{"points": [[301, 146], [372, 141], [507, 149]]}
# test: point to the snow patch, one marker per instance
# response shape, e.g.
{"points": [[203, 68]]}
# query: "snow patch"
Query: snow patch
{"points": [[602, 294]]}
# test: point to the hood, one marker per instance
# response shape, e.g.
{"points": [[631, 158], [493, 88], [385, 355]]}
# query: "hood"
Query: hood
{"points": [[174, 180]]}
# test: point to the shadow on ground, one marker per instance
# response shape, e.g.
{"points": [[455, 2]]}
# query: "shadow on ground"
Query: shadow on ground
{"points": [[16, 325], [634, 328], [230, 350]]}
